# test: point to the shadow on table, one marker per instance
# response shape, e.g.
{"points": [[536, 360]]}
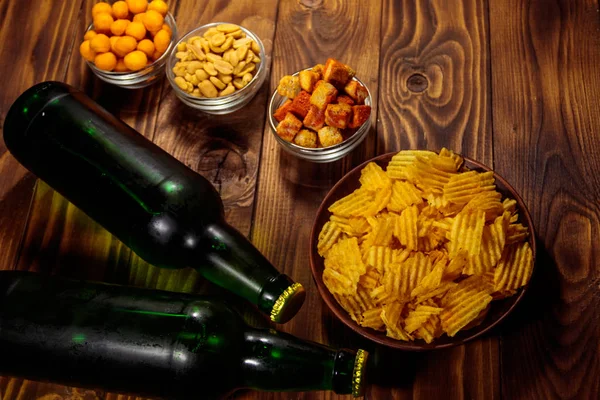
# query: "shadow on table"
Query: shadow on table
{"points": [[543, 294]]}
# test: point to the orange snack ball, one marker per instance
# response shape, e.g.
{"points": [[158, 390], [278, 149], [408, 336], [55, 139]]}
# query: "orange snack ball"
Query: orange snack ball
{"points": [[139, 17], [113, 43], [153, 21], [121, 67], [119, 27], [136, 30], [168, 29], [159, 6], [136, 60], [120, 10], [106, 61], [162, 40], [125, 45], [156, 55], [89, 35], [147, 46], [102, 22], [100, 43], [101, 7], [137, 6], [86, 51]]}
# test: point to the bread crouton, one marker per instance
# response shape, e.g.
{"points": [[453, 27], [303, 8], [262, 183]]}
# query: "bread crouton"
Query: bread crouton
{"points": [[357, 91], [315, 119], [345, 99], [306, 138], [337, 73], [360, 114], [289, 127], [323, 94], [280, 113], [319, 70], [330, 135], [308, 79], [338, 115], [289, 86], [301, 104]]}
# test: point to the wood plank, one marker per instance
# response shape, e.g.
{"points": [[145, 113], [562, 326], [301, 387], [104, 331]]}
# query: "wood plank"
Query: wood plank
{"points": [[435, 92], [290, 190], [546, 122], [34, 49]]}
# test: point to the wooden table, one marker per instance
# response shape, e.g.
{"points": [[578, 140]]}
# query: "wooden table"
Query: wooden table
{"points": [[513, 84]]}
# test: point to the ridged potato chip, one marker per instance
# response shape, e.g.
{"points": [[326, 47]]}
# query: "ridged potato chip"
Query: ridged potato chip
{"points": [[514, 268], [423, 247]]}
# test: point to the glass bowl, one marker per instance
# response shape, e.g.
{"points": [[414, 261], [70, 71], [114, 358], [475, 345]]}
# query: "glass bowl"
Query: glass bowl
{"points": [[226, 104], [142, 78], [499, 309], [322, 154]]}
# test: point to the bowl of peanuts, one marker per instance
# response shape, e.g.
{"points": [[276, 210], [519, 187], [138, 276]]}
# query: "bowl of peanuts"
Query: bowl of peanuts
{"points": [[128, 42], [217, 68]]}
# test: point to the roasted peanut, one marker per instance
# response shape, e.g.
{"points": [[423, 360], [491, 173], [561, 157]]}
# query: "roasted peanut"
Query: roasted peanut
{"points": [[233, 58], [197, 51], [236, 35], [213, 57], [227, 91], [181, 83], [237, 82], [210, 32], [228, 28], [217, 39], [241, 42], [255, 47], [225, 78], [228, 43], [208, 89], [241, 52], [247, 69], [238, 68], [182, 46], [247, 78], [210, 69], [181, 54], [249, 56], [218, 84], [193, 66], [196, 92], [202, 75], [223, 67], [205, 45]]}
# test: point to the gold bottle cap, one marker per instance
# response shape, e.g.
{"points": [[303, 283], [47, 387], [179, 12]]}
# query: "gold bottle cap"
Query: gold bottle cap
{"points": [[358, 375], [288, 303]]}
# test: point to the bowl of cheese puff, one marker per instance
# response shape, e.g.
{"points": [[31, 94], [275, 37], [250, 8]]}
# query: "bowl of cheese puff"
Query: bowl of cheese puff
{"points": [[321, 113]]}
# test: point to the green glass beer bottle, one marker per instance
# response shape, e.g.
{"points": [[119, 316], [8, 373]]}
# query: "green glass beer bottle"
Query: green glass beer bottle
{"points": [[155, 343], [168, 214]]}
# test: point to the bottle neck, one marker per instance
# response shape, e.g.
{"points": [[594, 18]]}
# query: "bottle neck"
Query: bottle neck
{"points": [[276, 361], [235, 264]]}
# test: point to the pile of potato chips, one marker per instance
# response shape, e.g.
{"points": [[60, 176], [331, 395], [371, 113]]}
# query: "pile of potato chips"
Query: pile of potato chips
{"points": [[422, 248]]}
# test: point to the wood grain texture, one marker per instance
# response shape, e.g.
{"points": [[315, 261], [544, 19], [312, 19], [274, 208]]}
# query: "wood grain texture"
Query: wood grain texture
{"points": [[546, 125], [290, 190], [33, 50], [435, 92]]}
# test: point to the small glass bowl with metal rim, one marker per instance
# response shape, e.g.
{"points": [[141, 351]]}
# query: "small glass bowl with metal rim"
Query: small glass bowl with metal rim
{"points": [[144, 77], [320, 154], [226, 104]]}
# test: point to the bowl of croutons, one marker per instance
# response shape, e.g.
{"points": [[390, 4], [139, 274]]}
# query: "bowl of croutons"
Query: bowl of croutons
{"points": [[321, 113]]}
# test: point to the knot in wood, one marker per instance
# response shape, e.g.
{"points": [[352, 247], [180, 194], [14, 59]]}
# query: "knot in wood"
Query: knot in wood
{"points": [[417, 83], [311, 3]]}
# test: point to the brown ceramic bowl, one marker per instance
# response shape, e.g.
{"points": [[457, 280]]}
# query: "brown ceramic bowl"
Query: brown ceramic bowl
{"points": [[499, 308]]}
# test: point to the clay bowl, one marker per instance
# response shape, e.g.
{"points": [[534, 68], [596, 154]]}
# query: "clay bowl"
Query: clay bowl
{"points": [[499, 309]]}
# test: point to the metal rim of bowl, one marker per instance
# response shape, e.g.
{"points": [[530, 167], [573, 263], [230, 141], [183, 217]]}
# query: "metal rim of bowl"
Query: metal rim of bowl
{"points": [[420, 346], [216, 101], [170, 21], [300, 151]]}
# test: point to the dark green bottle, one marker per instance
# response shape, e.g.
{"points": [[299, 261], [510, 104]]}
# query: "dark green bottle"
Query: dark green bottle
{"points": [[168, 214], [155, 343]]}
